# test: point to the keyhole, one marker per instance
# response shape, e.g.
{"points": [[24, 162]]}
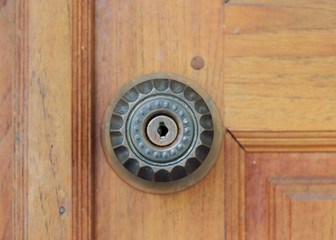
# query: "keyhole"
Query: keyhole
{"points": [[162, 130]]}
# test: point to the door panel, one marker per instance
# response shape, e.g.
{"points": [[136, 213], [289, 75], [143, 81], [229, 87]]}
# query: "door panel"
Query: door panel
{"points": [[271, 194], [138, 37], [269, 68], [290, 195], [278, 60]]}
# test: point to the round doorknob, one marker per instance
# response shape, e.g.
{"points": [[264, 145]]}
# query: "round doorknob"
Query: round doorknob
{"points": [[161, 133]]}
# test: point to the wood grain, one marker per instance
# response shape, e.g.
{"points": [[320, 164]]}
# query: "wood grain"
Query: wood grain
{"points": [[286, 141], [137, 37], [305, 181], [42, 121], [6, 126], [269, 66], [19, 115], [158, 36], [234, 189], [81, 114], [282, 2], [123, 212], [301, 207], [279, 58]]}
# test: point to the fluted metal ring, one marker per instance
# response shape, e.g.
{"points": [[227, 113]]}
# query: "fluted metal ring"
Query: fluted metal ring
{"points": [[159, 132]]}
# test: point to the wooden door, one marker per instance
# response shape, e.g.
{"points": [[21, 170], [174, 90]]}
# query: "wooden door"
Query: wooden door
{"points": [[269, 66]]}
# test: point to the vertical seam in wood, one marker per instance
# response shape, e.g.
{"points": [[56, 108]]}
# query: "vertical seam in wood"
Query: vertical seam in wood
{"points": [[20, 103]]}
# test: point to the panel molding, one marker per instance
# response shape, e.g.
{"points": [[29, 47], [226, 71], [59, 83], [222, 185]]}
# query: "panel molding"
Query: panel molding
{"points": [[20, 92], [284, 190], [234, 189], [82, 75], [52, 85], [274, 141], [294, 188]]}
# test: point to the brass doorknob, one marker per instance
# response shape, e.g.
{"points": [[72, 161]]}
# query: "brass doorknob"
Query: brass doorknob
{"points": [[161, 133]]}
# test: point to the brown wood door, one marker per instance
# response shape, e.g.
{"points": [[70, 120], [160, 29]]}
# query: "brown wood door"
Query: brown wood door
{"points": [[269, 66]]}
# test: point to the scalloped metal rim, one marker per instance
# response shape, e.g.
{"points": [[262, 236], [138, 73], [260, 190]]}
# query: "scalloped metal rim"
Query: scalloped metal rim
{"points": [[161, 187]]}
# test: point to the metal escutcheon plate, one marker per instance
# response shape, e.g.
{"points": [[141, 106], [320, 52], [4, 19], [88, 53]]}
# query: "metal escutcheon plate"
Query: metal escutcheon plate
{"points": [[161, 133]]}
